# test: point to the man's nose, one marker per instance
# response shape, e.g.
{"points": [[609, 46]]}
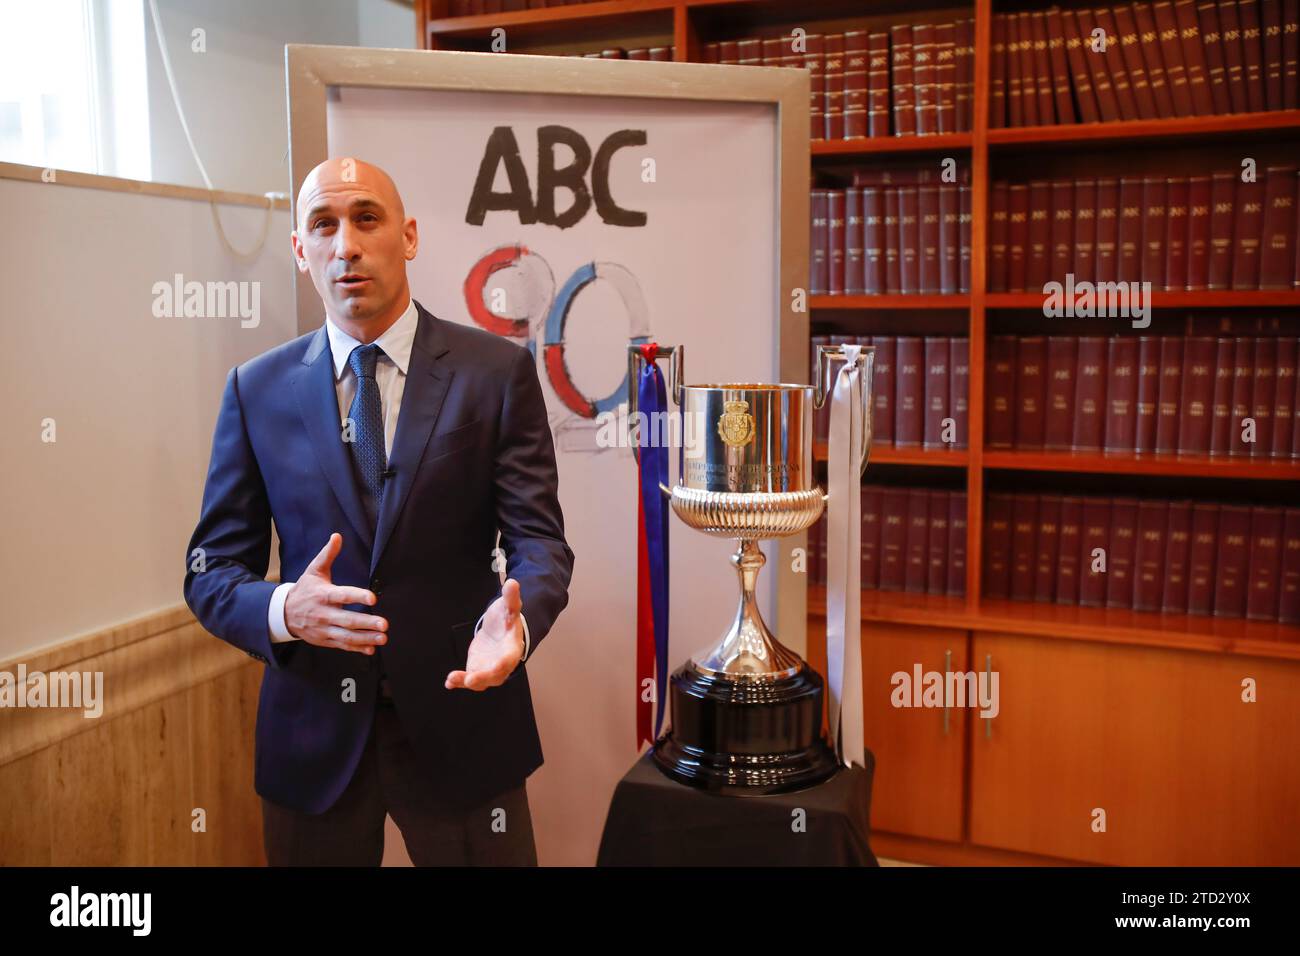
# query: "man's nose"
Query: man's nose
{"points": [[347, 241]]}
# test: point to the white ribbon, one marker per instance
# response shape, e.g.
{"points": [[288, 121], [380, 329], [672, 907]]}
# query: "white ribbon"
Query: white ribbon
{"points": [[844, 563]]}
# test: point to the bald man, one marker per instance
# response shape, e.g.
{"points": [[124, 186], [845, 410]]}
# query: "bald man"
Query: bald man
{"points": [[390, 448]]}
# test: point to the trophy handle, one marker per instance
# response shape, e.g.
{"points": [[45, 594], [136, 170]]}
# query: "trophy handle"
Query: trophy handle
{"points": [[866, 361], [676, 366]]}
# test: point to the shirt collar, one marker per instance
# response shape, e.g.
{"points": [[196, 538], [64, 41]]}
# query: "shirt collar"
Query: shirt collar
{"points": [[396, 341]]}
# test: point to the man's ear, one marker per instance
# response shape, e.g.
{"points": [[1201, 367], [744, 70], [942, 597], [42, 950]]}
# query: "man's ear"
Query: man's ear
{"points": [[411, 233], [299, 259]]}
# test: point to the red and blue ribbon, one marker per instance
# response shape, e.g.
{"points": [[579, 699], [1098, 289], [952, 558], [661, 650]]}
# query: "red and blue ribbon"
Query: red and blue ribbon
{"points": [[652, 553]]}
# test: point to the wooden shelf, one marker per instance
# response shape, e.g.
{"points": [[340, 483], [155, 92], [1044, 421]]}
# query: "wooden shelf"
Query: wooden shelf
{"points": [[827, 302], [481, 24], [873, 145], [1224, 299], [1106, 625], [888, 455], [1127, 463], [1182, 128]]}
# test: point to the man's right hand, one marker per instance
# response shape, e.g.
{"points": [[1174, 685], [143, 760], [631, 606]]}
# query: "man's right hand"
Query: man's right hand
{"points": [[313, 608]]}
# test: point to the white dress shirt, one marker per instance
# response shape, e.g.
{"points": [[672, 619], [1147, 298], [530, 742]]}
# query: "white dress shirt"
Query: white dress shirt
{"points": [[390, 376]]}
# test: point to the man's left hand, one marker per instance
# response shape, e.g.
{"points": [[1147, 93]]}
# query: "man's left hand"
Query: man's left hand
{"points": [[498, 646]]}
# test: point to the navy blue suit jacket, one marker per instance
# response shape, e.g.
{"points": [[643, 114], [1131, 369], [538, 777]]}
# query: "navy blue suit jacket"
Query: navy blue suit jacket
{"points": [[472, 454]]}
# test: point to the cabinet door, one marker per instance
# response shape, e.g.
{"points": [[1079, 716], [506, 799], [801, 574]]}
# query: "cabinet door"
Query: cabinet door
{"points": [[1161, 740]]}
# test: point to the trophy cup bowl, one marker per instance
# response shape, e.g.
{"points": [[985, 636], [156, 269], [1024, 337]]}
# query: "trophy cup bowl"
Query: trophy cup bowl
{"points": [[746, 714]]}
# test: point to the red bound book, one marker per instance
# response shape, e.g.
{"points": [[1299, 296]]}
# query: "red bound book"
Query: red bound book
{"points": [[997, 262], [1148, 394], [1015, 83], [909, 240], [1176, 230], [1102, 87], [1222, 219], [1122, 553], [1247, 229], [1085, 229], [1067, 555], [936, 390], [1047, 546], [1114, 57], [963, 238], [855, 83], [998, 73], [1038, 250], [964, 55], [916, 554], [996, 570], [1221, 409], [1090, 394], [1131, 49], [1232, 562], [1171, 390], [893, 260], [1132, 202], [956, 584], [1242, 395], [1024, 537], [1265, 563], [1252, 54], [1202, 558], [1197, 404], [834, 128], [959, 389], [1000, 423], [936, 574], [1278, 240], [1061, 248], [1107, 258], [1216, 74], [909, 391], [819, 276], [927, 100], [878, 84], [1288, 610], [1062, 360], [1290, 54], [1263, 392], [1121, 393], [949, 238], [900, 45], [1178, 544], [1042, 65], [1149, 38], [1171, 51], [816, 94], [1076, 55], [1154, 209], [945, 76], [1270, 15], [929, 233], [1025, 67], [1017, 236], [871, 506], [1189, 31], [1198, 233], [1094, 543], [1031, 361], [882, 387], [1234, 58], [893, 538], [873, 240], [835, 227], [1060, 67], [855, 275], [1284, 396], [1149, 563]]}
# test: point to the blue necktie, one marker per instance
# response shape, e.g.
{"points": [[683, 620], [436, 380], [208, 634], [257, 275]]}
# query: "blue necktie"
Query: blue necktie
{"points": [[367, 417]]}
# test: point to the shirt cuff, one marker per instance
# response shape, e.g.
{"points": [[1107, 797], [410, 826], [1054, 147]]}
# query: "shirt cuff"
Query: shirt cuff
{"points": [[275, 615], [527, 641]]}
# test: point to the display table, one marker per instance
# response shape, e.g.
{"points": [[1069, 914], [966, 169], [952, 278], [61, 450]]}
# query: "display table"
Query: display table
{"points": [[654, 821]]}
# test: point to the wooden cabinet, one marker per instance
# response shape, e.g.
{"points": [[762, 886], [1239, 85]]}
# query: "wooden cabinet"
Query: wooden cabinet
{"points": [[1161, 740]]}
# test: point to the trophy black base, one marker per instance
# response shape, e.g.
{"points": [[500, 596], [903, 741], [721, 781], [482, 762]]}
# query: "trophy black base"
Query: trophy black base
{"points": [[743, 738]]}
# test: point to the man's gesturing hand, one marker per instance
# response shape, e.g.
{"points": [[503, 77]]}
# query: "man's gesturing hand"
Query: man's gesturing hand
{"points": [[313, 608], [497, 647]]}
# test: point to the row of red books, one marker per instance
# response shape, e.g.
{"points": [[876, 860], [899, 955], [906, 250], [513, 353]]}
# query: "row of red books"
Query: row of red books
{"points": [[1178, 233], [1145, 394], [902, 240], [464, 8], [913, 539], [659, 54], [920, 390], [1144, 61], [1180, 557]]}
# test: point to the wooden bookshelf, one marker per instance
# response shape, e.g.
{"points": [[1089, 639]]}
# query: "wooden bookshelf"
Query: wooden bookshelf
{"points": [[888, 455], [826, 303], [1127, 463], [874, 145], [1224, 299]]}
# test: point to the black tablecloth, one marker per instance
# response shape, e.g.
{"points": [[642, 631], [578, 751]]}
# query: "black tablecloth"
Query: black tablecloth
{"points": [[655, 821]]}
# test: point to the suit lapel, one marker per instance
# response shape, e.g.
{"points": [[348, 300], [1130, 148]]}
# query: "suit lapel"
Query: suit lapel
{"points": [[427, 381], [318, 404]]}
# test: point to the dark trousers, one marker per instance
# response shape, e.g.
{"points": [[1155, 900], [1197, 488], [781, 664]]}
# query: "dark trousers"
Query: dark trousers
{"points": [[497, 832]]}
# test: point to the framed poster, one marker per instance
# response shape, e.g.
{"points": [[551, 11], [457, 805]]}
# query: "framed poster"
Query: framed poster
{"points": [[576, 205]]}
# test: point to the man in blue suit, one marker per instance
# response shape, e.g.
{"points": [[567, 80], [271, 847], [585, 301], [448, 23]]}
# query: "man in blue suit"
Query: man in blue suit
{"points": [[389, 447]]}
